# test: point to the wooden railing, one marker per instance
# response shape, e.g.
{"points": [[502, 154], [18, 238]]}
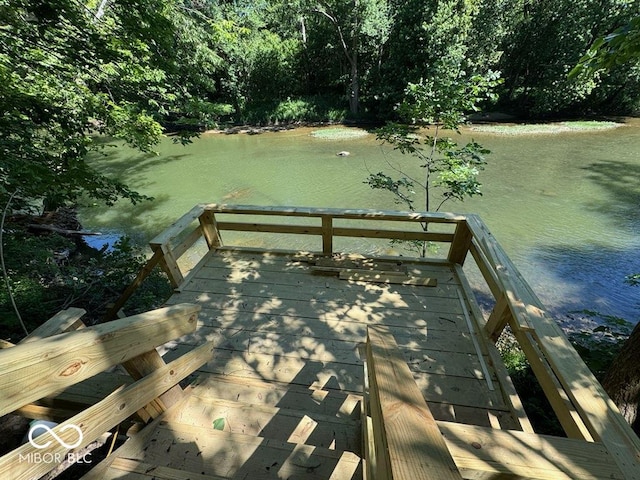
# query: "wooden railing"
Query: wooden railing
{"points": [[204, 222], [178, 238], [579, 401], [44, 365]]}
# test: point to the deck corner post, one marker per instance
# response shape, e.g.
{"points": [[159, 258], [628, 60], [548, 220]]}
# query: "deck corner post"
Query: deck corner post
{"points": [[461, 243], [210, 229], [327, 234]]}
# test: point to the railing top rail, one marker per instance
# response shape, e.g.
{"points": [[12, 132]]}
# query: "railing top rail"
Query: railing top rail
{"points": [[366, 214], [177, 227]]}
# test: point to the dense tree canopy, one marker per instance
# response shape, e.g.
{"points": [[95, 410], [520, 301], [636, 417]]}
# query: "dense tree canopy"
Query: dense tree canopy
{"points": [[131, 70], [67, 73]]}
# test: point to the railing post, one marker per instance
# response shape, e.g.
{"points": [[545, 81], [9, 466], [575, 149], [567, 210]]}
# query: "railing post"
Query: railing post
{"points": [[209, 229], [169, 264], [327, 234], [461, 243], [499, 318]]}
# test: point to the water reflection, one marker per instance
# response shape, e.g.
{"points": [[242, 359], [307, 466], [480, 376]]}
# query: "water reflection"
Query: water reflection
{"points": [[565, 207]]}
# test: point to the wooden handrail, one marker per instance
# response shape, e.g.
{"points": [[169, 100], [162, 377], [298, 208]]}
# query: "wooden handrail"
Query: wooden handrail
{"points": [[99, 418], [407, 441], [177, 239], [579, 401], [75, 356]]}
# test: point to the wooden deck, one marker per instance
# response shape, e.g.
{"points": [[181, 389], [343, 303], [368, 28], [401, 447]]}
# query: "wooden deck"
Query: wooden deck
{"points": [[335, 366], [289, 348], [287, 374]]}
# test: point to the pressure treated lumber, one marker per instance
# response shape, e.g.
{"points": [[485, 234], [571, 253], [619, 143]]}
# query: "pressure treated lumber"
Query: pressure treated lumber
{"points": [[481, 452], [63, 321], [596, 409], [142, 470], [387, 277], [409, 445], [99, 418], [34, 370]]}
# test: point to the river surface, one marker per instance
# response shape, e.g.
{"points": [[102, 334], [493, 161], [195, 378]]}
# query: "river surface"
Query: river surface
{"points": [[566, 207]]}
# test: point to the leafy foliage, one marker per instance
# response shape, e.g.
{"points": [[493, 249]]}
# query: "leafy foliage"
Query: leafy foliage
{"points": [[441, 102], [66, 75], [616, 48], [546, 42], [49, 273]]}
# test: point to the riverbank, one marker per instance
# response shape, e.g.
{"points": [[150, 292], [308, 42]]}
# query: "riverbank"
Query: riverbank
{"points": [[496, 123], [49, 267]]}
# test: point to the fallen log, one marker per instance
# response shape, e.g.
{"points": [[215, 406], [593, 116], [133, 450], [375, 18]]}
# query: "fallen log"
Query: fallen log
{"points": [[61, 231]]}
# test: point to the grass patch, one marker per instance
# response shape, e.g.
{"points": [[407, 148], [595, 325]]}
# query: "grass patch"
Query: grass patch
{"points": [[339, 133], [546, 128]]}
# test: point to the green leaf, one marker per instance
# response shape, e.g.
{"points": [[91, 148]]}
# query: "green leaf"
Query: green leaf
{"points": [[218, 424]]}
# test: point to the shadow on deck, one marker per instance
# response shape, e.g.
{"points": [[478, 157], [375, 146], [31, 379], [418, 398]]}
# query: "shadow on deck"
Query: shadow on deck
{"points": [[333, 365]]}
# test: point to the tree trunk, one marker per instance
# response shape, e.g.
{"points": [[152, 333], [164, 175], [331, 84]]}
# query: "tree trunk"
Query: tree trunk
{"points": [[622, 381], [354, 94]]}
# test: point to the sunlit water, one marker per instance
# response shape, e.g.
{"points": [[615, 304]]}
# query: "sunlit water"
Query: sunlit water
{"points": [[565, 207]]}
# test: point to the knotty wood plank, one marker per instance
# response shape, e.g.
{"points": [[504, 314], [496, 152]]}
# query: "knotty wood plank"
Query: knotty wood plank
{"points": [[232, 455], [328, 375], [413, 445], [359, 264], [237, 338], [137, 470], [323, 346], [365, 214], [304, 286], [273, 260], [287, 425], [310, 400], [99, 418], [130, 448], [64, 321], [40, 368], [420, 358], [283, 269], [303, 304], [379, 277], [469, 392], [481, 452], [483, 417], [239, 313], [330, 270]]}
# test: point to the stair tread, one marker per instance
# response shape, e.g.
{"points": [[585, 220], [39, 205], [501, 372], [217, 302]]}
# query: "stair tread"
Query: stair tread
{"points": [[219, 454], [337, 431], [326, 401]]}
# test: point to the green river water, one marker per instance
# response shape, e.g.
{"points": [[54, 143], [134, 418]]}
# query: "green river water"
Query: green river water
{"points": [[566, 207]]}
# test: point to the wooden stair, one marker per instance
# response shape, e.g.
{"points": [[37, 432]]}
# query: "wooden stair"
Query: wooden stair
{"points": [[206, 437]]}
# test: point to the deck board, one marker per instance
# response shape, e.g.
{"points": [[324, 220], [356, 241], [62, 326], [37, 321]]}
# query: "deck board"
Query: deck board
{"points": [[288, 362], [274, 320]]}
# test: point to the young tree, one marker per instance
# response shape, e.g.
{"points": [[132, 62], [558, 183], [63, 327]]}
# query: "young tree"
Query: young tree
{"points": [[440, 103]]}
